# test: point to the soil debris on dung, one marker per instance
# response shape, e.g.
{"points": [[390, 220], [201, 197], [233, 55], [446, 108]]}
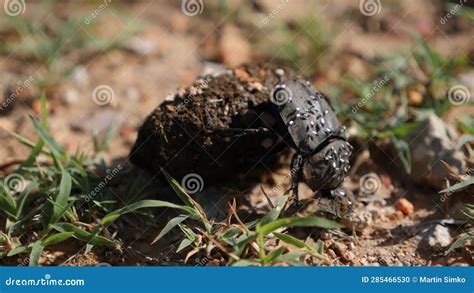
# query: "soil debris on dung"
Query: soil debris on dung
{"points": [[197, 129]]}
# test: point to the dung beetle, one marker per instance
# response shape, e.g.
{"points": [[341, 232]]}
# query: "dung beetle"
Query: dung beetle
{"points": [[244, 118], [322, 150]]}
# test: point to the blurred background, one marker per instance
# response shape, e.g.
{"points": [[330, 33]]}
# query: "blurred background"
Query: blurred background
{"points": [[400, 75], [135, 53]]}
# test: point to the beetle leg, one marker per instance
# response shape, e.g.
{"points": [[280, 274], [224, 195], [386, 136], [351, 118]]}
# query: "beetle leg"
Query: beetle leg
{"points": [[327, 194], [296, 167], [239, 131]]}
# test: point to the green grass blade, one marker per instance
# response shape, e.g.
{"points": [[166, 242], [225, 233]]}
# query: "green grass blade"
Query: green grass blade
{"points": [[291, 240], [432, 57], [459, 242], [466, 127], [184, 243], [23, 197], [292, 258], [310, 221], [55, 148], [183, 195], [37, 149], [148, 203], [34, 153], [35, 253], [83, 235], [200, 214], [246, 263], [61, 201], [465, 139], [26, 142], [470, 206], [243, 241], [404, 150], [169, 226], [17, 250], [459, 186], [54, 208], [404, 129], [274, 255], [275, 212], [319, 247], [7, 202], [56, 238], [188, 232]]}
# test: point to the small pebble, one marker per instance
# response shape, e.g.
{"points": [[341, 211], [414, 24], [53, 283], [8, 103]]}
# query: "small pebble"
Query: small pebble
{"points": [[348, 256], [339, 248], [351, 245], [132, 94], [331, 253], [241, 73], [280, 72], [398, 215], [71, 97], [404, 206], [437, 237], [460, 264], [80, 76], [254, 86], [140, 46]]}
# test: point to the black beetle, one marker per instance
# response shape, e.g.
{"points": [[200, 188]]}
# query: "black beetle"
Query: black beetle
{"points": [[228, 127], [322, 150]]}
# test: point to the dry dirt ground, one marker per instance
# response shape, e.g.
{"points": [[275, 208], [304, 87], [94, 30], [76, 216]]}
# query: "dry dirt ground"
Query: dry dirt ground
{"points": [[170, 51]]}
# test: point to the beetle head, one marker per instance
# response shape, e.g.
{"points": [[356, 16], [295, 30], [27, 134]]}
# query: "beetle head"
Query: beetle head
{"points": [[327, 168]]}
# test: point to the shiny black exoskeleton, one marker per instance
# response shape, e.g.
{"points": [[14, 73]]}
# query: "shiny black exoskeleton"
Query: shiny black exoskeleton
{"points": [[322, 151]]}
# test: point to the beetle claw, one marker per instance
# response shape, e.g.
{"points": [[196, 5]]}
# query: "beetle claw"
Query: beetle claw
{"points": [[293, 208], [236, 132]]}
